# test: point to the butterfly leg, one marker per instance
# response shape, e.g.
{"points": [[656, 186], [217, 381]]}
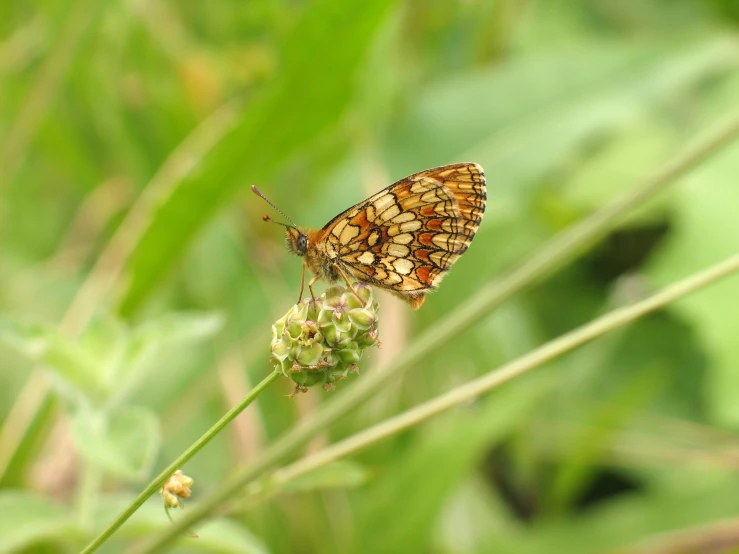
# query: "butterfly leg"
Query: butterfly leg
{"points": [[310, 287], [348, 283]]}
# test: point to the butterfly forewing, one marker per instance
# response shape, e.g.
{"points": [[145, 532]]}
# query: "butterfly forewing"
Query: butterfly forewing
{"points": [[407, 236]]}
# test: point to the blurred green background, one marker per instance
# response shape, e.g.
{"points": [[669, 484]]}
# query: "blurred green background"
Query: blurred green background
{"points": [[138, 282]]}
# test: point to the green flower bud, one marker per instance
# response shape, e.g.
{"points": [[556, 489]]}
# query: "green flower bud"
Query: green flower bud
{"points": [[334, 292], [308, 378], [280, 350], [294, 328], [320, 342], [278, 328], [331, 335], [310, 355], [351, 354], [362, 318], [368, 338]]}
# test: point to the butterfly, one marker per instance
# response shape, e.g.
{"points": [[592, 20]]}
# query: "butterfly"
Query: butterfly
{"points": [[403, 239]]}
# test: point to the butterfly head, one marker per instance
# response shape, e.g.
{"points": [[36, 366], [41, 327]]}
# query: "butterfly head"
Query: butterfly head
{"points": [[296, 240]]}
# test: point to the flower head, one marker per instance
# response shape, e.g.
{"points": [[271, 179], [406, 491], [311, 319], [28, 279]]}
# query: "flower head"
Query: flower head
{"points": [[319, 342]]}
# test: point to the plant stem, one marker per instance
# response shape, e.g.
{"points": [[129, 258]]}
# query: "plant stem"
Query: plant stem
{"points": [[563, 248], [475, 388], [159, 480]]}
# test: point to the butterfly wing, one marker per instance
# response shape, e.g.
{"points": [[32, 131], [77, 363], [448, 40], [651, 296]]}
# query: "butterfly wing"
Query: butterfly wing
{"points": [[406, 237]]}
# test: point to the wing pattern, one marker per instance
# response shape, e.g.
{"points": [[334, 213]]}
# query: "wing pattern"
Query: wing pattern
{"points": [[407, 236]]}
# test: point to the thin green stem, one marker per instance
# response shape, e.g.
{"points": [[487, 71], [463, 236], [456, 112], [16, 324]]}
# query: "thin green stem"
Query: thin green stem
{"points": [[477, 387], [159, 480], [560, 250]]}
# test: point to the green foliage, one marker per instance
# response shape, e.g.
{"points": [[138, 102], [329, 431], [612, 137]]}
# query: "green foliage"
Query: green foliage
{"points": [[30, 518], [129, 135], [97, 375]]}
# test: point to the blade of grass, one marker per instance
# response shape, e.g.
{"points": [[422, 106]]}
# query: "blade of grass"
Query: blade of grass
{"points": [[154, 224], [45, 87], [464, 393], [107, 270], [482, 385], [159, 480], [274, 125], [563, 248]]}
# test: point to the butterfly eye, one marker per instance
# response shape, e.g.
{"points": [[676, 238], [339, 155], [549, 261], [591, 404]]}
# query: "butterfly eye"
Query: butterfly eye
{"points": [[302, 244]]}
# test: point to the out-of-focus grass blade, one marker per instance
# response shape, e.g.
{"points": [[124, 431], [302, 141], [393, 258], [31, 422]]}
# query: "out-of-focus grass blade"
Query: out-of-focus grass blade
{"points": [[316, 81], [521, 120]]}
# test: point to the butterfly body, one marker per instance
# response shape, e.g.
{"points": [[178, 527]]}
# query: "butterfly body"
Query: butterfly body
{"points": [[404, 238]]}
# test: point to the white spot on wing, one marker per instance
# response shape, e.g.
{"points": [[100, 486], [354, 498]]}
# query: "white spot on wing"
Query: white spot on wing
{"points": [[397, 250], [384, 202], [338, 228], [410, 226], [403, 266], [407, 227], [367, 258], [430, 197], [405, 216], [349, 232], [390, 213]]}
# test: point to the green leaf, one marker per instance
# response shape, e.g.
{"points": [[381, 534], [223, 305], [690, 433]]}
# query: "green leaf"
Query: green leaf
{"points": [[625, 522], [123, 443], [407, 501], [154, 338], [178, 327], [29, 518], [706, 228], [320, 58], [471, 518], [76, 372]]}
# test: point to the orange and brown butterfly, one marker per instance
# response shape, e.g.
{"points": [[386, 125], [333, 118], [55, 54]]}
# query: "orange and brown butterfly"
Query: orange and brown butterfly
{"points": [[404, 238]]}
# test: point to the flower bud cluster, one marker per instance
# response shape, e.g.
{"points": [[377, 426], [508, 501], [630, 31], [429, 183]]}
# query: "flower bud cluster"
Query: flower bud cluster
{"points": [[175, 489], [319, 342]]}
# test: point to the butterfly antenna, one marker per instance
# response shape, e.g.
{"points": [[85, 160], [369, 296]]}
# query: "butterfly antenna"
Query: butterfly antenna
{"points": [[292, 225]]}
